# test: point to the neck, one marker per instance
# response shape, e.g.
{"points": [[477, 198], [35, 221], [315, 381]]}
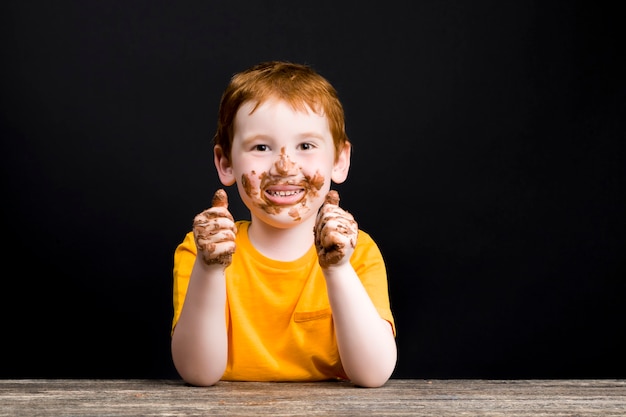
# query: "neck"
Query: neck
{"points": [[282, 244]]}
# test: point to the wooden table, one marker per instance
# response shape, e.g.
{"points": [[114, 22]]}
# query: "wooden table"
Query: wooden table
{"points": [[399, 397]]}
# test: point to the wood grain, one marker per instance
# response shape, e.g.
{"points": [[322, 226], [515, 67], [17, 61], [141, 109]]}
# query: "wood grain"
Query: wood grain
{"points": [[399, 397]]}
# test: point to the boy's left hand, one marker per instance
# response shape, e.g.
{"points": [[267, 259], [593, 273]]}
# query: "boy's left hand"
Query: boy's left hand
{"points": [[335, 233]]}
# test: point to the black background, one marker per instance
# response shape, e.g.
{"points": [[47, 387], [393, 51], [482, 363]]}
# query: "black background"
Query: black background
{"points": [[488, 164]]}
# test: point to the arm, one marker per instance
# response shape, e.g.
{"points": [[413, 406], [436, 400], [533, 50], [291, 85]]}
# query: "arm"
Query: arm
{"points": [[366, 342], [199, 341]]}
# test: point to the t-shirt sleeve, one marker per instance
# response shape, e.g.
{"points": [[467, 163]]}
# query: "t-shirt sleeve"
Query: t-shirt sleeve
{"points": [[184, 258], [370, 266]]}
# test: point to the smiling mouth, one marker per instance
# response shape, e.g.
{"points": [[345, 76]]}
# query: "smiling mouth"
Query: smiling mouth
{"points": [[274, 193], [284, 197]]}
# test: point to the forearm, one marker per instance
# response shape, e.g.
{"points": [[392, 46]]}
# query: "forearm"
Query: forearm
{"points": [[199, 342], [366, 343]]}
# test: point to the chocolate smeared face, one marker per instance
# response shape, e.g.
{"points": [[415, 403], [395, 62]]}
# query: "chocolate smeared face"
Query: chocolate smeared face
{"points": [[284, 187], [282, 160]]}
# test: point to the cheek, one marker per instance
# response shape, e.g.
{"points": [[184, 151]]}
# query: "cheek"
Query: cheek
{"points": [[316, 181], [249, 184]]}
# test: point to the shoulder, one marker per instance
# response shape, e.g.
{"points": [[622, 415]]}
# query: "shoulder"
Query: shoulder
{"points": [[366, 250], [365, 239], [242, 225], [188, 243]]}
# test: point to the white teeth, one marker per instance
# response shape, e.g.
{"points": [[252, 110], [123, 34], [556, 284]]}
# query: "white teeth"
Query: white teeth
{"points": [[283, 193]]}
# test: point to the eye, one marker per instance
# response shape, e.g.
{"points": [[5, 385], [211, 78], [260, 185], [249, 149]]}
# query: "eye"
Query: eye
{"points": [[261, 148], [306, 146]]}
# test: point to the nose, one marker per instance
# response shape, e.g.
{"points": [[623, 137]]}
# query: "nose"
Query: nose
{"points": [[284, 166]]}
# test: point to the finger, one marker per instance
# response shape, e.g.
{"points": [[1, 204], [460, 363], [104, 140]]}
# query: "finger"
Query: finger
{"points": [[332, 198], [210, 222], [220, 199], [215, 237], [217, 252], [211, 215]]}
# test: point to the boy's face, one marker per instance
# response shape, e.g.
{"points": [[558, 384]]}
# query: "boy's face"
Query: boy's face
{"points": [[283, 161]]}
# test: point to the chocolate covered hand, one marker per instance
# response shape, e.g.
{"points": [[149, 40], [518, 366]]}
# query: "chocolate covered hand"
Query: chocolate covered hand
{"points": [[335, 232], [214, 232]]}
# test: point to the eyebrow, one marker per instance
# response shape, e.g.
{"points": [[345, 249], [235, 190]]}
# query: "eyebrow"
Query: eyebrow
{"points": [[300, 136]]}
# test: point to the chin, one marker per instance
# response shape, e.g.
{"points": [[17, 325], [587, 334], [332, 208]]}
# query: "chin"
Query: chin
{"points": [[287, 218]]}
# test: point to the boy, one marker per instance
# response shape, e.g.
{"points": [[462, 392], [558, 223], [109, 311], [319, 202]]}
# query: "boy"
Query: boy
{"points": [[298, 292]]}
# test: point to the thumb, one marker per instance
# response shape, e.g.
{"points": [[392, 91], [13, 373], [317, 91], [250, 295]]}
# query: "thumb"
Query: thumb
{"points": [[332, 198], [220, 199]]}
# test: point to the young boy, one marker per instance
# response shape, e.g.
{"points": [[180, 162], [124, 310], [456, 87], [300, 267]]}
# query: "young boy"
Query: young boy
{"points": [[298, 292]]}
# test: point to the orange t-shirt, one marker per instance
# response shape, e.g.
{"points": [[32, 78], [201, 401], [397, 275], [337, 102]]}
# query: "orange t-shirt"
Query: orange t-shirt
{"points": [[279, 319]]}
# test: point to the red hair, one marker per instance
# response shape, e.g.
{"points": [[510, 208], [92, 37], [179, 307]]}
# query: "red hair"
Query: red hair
{"points": [[297, 84]]}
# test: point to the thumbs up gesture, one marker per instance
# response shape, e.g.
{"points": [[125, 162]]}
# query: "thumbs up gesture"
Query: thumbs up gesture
{"points": [[335, 233], [214, 232]]}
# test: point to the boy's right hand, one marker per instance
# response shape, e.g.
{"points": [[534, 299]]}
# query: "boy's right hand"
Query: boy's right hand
{"points": [[214, 232]]}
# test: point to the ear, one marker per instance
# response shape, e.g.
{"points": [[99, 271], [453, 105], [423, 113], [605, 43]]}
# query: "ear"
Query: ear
{"points": [[223, 166], [342, 164]]}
